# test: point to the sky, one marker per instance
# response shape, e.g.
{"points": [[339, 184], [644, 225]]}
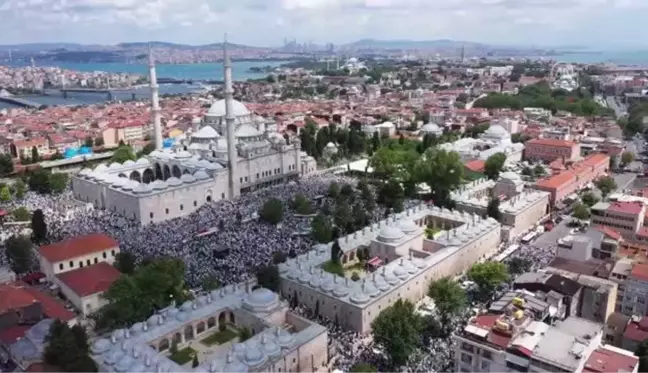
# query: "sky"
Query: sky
{"points": [[600, 24]]}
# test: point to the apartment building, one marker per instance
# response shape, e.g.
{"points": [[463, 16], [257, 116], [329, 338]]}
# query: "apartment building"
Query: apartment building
{"points": [[627, 218], [127, 132], [24, 148], [635, 294], [548, 150]]}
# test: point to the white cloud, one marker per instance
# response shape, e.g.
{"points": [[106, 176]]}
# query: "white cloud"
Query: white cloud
{"points": [[267, 22]]}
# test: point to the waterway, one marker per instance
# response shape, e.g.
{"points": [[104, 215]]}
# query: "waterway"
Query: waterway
{"points": [[194, 72]]}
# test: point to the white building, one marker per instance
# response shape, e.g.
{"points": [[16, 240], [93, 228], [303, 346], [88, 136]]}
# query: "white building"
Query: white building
{"points": [[232, 153], [281, 341], [520, 209], [411, 260], [495, 140]]}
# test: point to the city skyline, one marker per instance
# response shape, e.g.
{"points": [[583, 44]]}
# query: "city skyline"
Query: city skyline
{"points": [[540, 23]]}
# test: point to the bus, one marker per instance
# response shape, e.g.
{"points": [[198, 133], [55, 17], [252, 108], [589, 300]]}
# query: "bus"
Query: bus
{"points": [[529, 237]]}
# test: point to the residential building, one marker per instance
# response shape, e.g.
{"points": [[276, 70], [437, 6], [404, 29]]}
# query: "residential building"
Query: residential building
{"points": [[626, 218], [565, 293], [608, 359], [84, 286], [24, 148], [636, 331], [124, 131], [635, 295], [548, 150]]}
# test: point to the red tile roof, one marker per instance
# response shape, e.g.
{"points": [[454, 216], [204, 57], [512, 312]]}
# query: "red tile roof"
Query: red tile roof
{"points": [[637, 331], [603, 360], [640, 271], [52, 308], [633, 208], [13, 297], [476, 165], [609, 232], [77, 246], [89, 280], [551, 142], [13, 333]]}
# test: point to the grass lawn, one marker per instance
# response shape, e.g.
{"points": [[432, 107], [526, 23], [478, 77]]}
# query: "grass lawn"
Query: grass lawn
{"points": [[183, 356], [220, 337], [334, 268]]}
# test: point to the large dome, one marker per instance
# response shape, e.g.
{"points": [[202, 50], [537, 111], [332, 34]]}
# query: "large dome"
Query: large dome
{"points": [[261, 300], [496, 131], [218, 109], [207, 132], [390, 234]]}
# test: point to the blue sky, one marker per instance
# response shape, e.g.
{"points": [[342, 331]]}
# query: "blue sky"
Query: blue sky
{"points": [[604, 24]]}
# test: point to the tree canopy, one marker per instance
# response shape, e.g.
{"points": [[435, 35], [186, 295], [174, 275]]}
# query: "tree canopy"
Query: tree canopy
{"points": [[442, 171], [268, 277], [397, 330], [302, 205], [135, 297], [5, 193], [68, 348], [581, 212], [321, 229], [494, 165], [488, 275], [606, 185], [642, 354], [272, 211], [19, 252], [448, 297], [122, 154], [125, 262], [45, 182], [627, 158], [6, 165], [492, 210], [589, 199], [363, 368], [39, 226]]}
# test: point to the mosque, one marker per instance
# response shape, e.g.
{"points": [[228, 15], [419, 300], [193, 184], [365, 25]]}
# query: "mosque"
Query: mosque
{"points": [[281, 340], [233, 152], [495, 140]]}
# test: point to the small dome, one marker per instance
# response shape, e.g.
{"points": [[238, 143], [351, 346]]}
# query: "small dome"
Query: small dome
{"points": [[214, 166], [359, 297], [270, 348], [182, 316], [186, 178], [401, 272], [142, 189], [201, 175], [408, 226], [115, 166], [174, 182], [124, 364], [371, 290], [285, 339], [155, 153], [152, 321], [119, 182], [186, 306], [172, 312], [390, 234], [510, 176], [431, 128], [130, 185], [382, 285], [136, 328], [341, 291], [143, 161], [183, 155], [262, 296], [158, 185], [129, 163], [101, 167], [254, 356], [247, 130], [100, 346], [207, 132], [84, 172], [330, 145], [115, 355]]}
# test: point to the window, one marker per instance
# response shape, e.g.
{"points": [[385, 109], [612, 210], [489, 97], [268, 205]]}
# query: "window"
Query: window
{"points": [[104, 254], [71, 264], [294, 360], [167, 211], [181, 207], [195, 203], [487, 354], [485, 365], [81, 264], [61, 266], [467, 347], [96, 260], [112, 252], [257, 175], [151, 215], [88, 262], [222, 195], [466, 358]]}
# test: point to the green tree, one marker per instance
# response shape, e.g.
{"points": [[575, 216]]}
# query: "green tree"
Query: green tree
{"points": [[146, 150], [210, 283], [488, 276], [125, 262], [39, 226], [642, 354], [58, 182], [302, 205], [442, 171], [122, 154], [174, 346], [397, 330], [606, 185], [392, 195], [627, 158], [194, 361], [5, 194], [581, 212], [334, 190], [321, 229], [527, 171], [268, 277], [363, 368], [21, 214], [355, 277], [448, 297], [18, 250], [6, 165], [19, 189], [343, 218], [39, 181], [67, 348], [589, 199], [398, 163], [494, 165], [244, 334], [539, 171], [35, 157], [272, 211], [492, 210], [133, 298]]}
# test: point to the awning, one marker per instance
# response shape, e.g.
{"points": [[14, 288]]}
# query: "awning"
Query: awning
{"points": [[375, 261], [3, 212]]}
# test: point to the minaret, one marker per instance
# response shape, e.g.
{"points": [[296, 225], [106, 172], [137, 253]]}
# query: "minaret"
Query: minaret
{"points": [[155, 101], [232, 156]]}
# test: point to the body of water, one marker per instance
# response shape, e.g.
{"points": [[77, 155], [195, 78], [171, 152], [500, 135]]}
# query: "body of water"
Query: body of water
{"points": [[617, 57]]}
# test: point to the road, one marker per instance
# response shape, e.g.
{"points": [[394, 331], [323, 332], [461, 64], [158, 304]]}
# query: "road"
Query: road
{"points": [[550, 238], [624, 180], [618, 107]]}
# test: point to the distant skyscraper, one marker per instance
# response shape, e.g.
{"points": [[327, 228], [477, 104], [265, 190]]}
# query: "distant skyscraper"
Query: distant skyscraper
{"points": [[463, 53]]}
